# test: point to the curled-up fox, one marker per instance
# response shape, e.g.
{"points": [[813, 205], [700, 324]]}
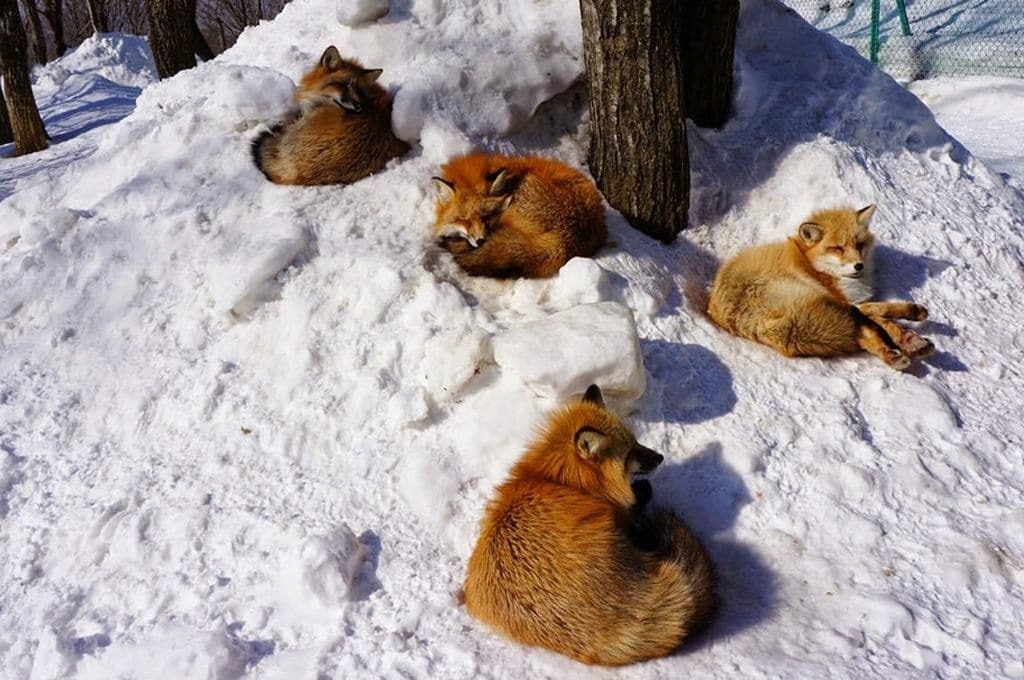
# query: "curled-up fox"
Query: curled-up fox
{"points": [[808, 295], [343, 130], [567, 558], [516, 216]]}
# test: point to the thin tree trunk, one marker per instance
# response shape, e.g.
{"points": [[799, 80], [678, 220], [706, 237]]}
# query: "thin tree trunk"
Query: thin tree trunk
{"points": [[200, 46], [54, 13], [26, 125], [638, 154], [34, 28], [709, 45], [6, 133], [172, 35], [97, 16]]}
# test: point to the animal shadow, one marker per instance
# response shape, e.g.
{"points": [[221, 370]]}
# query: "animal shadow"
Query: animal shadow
{"points": [[899, 273], [697, 386], [708, 495]]}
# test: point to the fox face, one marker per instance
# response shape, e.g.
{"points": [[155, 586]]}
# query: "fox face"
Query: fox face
{"points": [[605, 448], [339, 82], [839, 243], [470, 213]]}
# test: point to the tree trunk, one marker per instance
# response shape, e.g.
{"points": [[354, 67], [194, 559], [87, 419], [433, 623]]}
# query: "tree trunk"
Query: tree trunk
{"points": [[97, 16], [638, 154], [710, 40], [54, 13], [29, 133], [200, 46], [6, 133], [172, 35], [34, 28]]}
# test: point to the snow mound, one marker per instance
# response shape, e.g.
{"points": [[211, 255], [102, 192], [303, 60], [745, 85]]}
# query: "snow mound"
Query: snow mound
{"points": [[120, 58], [204, 375], [355, 12], [563, 354]]}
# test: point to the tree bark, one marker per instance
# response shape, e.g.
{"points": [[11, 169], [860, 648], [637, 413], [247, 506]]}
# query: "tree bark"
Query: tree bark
{"points": [[200, 46], [34, 29], [6, 133], [638, 154], [53, 10], [26, 125], [97, 16], [709, 44], [173, 35]]}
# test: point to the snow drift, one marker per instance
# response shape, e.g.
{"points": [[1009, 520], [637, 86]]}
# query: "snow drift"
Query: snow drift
{"points": [[248, 430]]}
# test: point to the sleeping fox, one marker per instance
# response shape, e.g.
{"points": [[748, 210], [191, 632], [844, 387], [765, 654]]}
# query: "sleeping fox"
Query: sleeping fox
{"points": [[516, 216], [807, 296], [568, 560], [343, 130]]}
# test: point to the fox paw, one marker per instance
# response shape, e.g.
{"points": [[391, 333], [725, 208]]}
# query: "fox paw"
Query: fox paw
{"points": [[915, 346], [917, 312], [897, 359]]}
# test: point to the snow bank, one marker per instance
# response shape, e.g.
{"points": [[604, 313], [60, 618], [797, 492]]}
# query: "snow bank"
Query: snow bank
{"points": [[122, 59], [205, 376]]}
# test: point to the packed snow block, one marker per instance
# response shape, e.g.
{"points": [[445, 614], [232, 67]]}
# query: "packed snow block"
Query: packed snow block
{"points": [[332, 566], [357, 12], [561, 355]]}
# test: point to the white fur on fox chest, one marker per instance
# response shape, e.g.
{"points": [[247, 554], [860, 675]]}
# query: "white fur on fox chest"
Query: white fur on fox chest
{"points": [[857, 290]]}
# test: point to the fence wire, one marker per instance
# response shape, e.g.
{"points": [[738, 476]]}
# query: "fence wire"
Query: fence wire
{"points": [[947, 37]]}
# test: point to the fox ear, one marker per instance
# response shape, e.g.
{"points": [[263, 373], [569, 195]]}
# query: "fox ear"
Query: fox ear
{"points": [[811, 233], [331, 59], [506, 202], [590, 443], [498, 183], [370, 75], [864, 215], [593, 395], [444, 190]]}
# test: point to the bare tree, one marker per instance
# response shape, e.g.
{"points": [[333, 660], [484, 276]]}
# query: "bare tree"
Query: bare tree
{"points": [[6, 133], [97, 16], [174, 36], [641, 57], [53, 10], [26, 125], [34, 29]]}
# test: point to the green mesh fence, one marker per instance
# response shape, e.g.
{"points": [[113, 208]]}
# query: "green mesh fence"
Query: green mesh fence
{"points": [[927, 38]]}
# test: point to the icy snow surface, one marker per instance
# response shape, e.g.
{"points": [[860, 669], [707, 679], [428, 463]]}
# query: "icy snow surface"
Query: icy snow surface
{"points": [[249, 430]]}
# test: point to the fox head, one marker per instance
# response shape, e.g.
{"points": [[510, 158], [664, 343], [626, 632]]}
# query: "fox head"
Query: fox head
{"points": [[470, 201], [586, 446], [838, 242], [339, 82]]}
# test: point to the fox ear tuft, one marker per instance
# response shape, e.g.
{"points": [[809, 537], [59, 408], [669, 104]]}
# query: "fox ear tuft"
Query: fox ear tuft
{"points": [[864, 215], [811, 233], [498, 183], [444, 189], [590, 443], [371, 74], [593, 395], [331, 59]]}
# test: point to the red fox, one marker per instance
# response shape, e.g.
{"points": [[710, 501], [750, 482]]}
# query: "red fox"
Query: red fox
{"points": [[516, 216], [568, 560], [343, 131], [806, 296]]}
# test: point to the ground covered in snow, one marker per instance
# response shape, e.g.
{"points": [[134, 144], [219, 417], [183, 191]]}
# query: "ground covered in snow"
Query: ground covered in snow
{"points": [[249, 430]]}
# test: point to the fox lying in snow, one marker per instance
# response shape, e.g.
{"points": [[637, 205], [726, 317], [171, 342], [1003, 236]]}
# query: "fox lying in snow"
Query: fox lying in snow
{"points": [[512, 216], [343, 131], [807, 296], [568, 560]]}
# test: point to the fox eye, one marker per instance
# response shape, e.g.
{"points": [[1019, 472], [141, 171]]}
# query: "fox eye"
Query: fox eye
{"points": [[835, 249]]}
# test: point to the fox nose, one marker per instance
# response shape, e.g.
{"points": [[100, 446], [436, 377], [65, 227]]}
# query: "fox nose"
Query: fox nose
{"points": [[859, 266]]}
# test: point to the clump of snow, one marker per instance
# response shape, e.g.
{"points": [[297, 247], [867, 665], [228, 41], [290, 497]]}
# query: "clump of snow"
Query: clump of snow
{"points": [[117, 57], [355, 12], [204, 375], [563, 354]]}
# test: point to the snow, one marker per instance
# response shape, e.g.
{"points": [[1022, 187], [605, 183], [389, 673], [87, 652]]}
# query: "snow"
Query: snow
{"points": [[249, 430]]}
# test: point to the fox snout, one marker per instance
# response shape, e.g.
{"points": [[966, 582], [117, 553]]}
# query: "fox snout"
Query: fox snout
{"points": [[643, 460]]}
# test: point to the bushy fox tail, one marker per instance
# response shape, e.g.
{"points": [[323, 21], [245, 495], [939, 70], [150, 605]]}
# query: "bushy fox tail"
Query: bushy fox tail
{"points": [[264, 148]]}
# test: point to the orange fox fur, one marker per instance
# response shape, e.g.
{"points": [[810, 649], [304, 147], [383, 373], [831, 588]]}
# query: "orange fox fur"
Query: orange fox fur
{"points": [[343, 131], [567, 560], [512, 216], [806, 296]]}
